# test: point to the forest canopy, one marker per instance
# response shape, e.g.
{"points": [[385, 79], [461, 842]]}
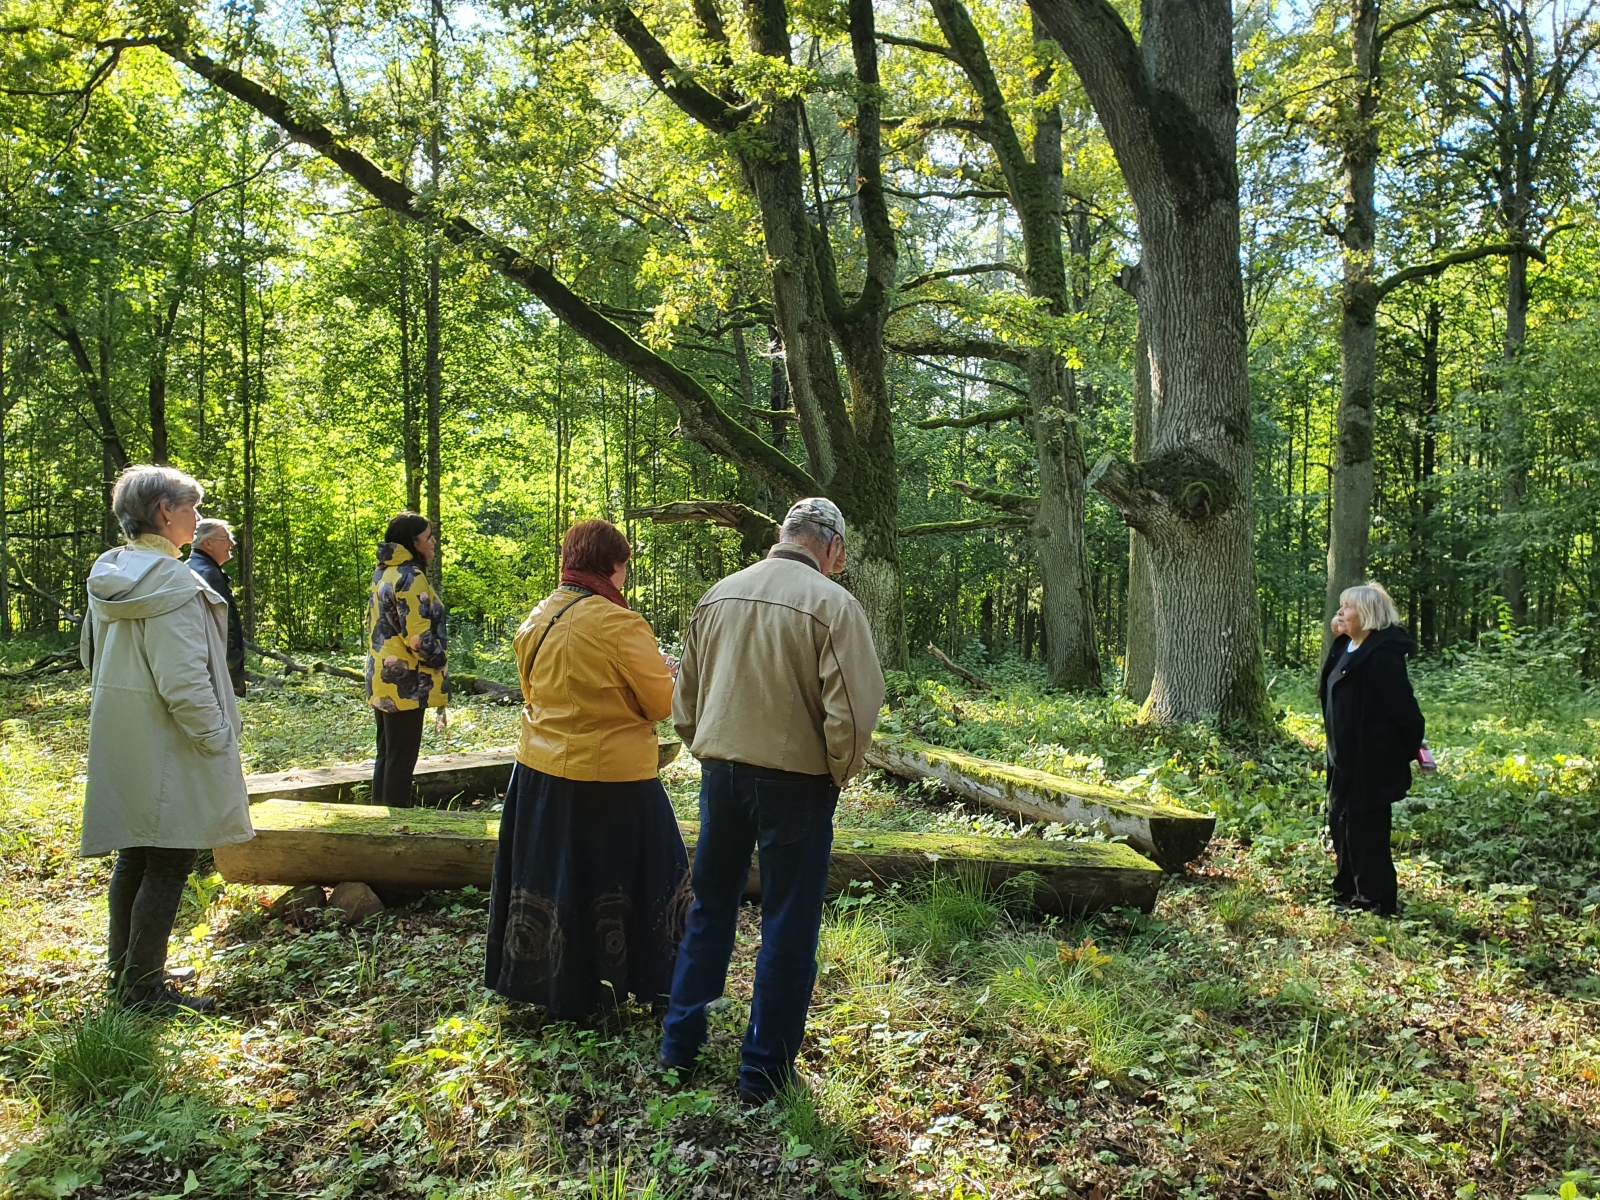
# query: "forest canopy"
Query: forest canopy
{"points": [[518, 265]]}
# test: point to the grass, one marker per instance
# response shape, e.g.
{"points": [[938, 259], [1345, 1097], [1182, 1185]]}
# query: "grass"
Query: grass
{"points": [[100, 1057], [1243, 1040], [1316, 1124]]}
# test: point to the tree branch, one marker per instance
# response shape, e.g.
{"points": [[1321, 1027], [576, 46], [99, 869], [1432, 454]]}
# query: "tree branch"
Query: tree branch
{"points": [[1010, 502], [999, 521], [756, 529], [954, 272], [1418, 17], [936, 347], [976, 681], [1440, 265], [702, 419], [673, 82], [993, 416], [28, 585], [891, 39]]}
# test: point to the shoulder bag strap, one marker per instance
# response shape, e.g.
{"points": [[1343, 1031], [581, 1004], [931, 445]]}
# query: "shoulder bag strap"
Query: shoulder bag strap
{"points": [[549, 627]]}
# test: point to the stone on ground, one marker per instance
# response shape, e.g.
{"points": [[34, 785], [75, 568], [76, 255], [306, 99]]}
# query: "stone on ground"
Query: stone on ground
{"points": [[357, 901]]}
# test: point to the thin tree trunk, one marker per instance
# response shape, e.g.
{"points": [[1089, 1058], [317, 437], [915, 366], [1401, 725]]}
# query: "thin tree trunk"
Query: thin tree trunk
{"points": [[246, 401], [1353, 477], [410, 435], [1513, 462], [5, 493], [1034, 185], [432, 368], [1139, 655], [1428, 625]]}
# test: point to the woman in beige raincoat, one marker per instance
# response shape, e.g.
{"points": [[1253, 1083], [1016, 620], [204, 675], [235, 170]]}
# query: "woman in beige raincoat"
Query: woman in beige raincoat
{"points": [[164, 773]]}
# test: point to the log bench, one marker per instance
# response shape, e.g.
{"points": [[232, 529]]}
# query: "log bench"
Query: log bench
{"points": [[438, 777], [309, 842], [1170, 835]]}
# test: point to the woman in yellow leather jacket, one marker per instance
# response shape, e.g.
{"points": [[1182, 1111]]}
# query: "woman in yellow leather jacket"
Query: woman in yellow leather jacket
{"points": [[590, 875]]}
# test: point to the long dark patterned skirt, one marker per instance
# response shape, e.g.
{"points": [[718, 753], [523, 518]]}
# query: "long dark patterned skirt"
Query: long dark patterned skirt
{"points": [[591, 887]]}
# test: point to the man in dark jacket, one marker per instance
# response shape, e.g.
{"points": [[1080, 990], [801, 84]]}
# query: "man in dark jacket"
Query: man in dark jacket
{"points": [[213, 546], [1374, 729]]}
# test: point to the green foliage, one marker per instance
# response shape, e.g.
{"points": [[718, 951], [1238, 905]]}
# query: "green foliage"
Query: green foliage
{"points": [[101, 1057]]}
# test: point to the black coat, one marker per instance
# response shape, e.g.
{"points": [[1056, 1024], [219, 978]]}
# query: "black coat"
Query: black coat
{"points": [[1374, 725], [203, 565]]}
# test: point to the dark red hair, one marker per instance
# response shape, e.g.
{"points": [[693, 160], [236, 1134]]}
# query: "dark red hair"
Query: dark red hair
{"points": [[596, 546]]}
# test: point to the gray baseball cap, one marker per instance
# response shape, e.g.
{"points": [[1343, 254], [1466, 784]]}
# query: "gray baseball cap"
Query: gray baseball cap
{"points": [[819, 510]]}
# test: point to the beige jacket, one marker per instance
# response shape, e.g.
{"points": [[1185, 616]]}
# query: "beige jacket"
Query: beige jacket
{"points": [[779, 671], [163, 724]]}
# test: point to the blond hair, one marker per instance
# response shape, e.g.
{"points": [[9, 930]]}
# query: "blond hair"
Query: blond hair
{"points": [[1373, 605]]}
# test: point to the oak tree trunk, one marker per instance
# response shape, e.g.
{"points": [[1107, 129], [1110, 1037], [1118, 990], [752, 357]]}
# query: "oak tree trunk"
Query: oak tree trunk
{"points": [[1167, 104]]}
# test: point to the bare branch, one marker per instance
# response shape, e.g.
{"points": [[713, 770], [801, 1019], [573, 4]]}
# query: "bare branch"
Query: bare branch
{"points": [[976, 269]]}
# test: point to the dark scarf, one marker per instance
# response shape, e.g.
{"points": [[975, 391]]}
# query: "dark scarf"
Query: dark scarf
{"points": [[593, 581]]}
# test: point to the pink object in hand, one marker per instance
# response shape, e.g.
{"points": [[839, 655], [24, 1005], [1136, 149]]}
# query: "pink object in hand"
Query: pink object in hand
{"points": [[1425, 758]]}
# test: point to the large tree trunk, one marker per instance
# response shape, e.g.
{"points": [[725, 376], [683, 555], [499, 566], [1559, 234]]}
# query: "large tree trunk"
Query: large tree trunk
{"points": [[1351, 518], [1167, 104]]}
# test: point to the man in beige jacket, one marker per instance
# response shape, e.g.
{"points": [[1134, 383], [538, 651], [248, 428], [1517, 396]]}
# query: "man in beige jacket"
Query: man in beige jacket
{"points": [[777, 697]]}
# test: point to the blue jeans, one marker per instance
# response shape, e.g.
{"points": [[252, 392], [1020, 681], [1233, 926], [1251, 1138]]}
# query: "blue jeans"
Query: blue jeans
{"points": [[789, 817]]}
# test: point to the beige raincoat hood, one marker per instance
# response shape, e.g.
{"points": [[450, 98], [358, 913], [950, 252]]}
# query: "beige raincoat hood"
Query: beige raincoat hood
{"points": [[163, 724]]}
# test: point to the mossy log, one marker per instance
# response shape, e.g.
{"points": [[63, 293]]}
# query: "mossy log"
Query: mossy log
{"points": [[298, 842], [1172, 836], [438, 777]]}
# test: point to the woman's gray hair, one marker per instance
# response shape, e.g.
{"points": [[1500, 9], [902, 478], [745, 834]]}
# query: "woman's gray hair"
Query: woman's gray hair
{"points": [[1372, 604], [209, 528], [140, 492]]}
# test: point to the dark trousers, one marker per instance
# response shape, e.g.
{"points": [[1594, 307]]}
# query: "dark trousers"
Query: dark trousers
{"points": [[146, 885], [789, 818], [1359, 822], [399, 740]]}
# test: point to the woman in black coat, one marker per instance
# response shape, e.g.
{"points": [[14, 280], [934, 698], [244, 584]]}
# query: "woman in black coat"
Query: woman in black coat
{"points": [[1374, 731]]}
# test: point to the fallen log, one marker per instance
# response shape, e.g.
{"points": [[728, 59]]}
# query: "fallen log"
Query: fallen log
{"points": [[300, 842], [291, 667], [438, 777], [977, 681], [490, 689], [1172, 836]]}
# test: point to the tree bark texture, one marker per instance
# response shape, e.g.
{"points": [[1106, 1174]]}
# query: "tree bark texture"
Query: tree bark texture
{"points": [[1353, 470], [1167, 104], [1034, 183], [1139, 655]]}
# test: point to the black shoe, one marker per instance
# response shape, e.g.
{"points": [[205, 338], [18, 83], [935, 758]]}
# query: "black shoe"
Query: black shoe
{"points": [[684, 1069], [167, 1002], [749, 1099]]}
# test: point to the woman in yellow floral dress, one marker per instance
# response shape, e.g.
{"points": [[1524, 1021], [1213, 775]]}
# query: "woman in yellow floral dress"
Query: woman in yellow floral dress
{"points": [[406, 673]]}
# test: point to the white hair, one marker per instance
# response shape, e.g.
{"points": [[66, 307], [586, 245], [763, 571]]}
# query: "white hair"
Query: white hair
{"points": [[209, 528], [812, 534], [142, 490], [1373, 605]]}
